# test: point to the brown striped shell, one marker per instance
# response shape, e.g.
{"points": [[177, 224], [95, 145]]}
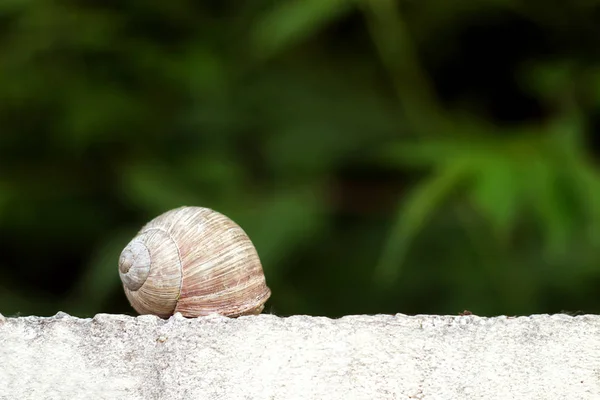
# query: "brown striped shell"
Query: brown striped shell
{"points": [[195, 261]]}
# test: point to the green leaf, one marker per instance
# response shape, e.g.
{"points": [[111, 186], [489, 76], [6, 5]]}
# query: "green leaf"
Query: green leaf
{"points": [[585, 184], [440, 151], [294, 21], [546, 199], [421, 203], [496, 191]]}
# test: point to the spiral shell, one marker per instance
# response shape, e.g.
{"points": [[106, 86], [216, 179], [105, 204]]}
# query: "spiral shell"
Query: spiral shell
{"points": [[195, 261]]}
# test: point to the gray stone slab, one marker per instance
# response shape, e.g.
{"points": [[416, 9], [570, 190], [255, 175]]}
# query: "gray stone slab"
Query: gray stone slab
{"points": [[300, 357]]}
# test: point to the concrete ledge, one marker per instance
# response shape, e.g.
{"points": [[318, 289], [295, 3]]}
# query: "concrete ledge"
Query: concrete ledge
{"points": [[300, 357]]}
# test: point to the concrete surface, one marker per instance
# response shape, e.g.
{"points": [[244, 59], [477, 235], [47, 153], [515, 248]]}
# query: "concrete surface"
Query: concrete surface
{"points": [[300, 357]]}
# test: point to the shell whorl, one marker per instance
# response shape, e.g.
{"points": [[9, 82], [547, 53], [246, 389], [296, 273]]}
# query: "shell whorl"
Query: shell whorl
{"points": [[134, 265], [195, 261]]}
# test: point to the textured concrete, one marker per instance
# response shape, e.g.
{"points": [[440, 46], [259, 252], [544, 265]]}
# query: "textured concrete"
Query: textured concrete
{"points": [[300, 357]]}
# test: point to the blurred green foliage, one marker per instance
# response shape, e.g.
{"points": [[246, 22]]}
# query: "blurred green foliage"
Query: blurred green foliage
{"points": [[384, 156]]}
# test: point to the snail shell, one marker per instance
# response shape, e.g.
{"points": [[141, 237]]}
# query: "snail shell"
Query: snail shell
{"points": [[195, 261]]}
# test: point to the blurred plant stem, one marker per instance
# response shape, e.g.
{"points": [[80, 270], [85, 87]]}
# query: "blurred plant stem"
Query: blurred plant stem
{"points": [[425, 117], [392, 39]]}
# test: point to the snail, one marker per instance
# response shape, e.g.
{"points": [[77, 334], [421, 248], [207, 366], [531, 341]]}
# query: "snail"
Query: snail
{"points": [[195, 261]]}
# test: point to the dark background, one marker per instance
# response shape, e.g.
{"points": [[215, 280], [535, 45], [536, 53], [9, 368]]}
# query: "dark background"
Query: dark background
{"points": [[413, 157]]}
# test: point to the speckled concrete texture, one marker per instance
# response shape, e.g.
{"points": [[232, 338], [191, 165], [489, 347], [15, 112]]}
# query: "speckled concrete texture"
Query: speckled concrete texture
{"points": [[300, 357]]}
